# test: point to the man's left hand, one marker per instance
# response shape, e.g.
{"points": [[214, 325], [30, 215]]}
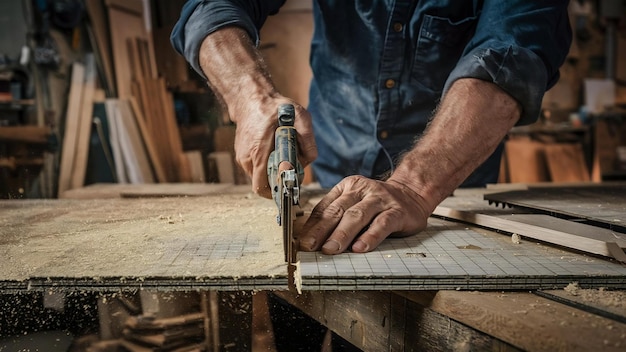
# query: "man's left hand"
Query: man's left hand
{"points": [[359, 213]]}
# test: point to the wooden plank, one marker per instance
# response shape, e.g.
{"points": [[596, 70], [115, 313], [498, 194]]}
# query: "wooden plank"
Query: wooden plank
{"points": [[150, 190], [147, 138], [156, 121], [584, 244], [97, 16], [428, 330], [84, 124], [114, 137], [72, 119], [25, 134], [359, 317], [572, 227], [566, 163], [226, 242], [527, 321], [526, 161], [126, 21], [173, 134], [134, 152], [194, 158], [599, 205], [223, 161], [610, 304]]}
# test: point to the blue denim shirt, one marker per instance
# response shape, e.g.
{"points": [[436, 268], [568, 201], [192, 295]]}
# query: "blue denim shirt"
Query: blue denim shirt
{"points": [[381, 66]]}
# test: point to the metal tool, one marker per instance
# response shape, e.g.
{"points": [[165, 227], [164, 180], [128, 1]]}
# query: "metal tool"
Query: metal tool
{"points": [[285, 175]]}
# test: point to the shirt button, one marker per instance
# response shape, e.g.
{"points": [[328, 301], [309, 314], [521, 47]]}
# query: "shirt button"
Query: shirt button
{"points": [[397, 27], [390, 83], [383, 134]]}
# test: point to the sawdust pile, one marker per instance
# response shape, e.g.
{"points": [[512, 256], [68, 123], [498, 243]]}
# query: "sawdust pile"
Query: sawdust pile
{"points": [[599, 296]]}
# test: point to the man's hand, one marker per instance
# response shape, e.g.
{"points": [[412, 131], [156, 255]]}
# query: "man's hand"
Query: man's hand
{"points": [[237, 74], [359, 213], [471, 121], [254, 139]]}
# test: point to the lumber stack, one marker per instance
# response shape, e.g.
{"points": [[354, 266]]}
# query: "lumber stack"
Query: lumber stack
{"points": [[138, 83], [141, 140]]}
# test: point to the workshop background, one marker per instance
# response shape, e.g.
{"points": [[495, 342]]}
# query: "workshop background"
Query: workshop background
{"points": [[92, 92]]}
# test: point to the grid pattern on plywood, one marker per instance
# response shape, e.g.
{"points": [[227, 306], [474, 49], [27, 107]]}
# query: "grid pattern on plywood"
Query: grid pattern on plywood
{"points": [[448, 255]]}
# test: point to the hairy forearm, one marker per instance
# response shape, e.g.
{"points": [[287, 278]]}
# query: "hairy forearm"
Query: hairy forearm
{"points": [[470, 122], [235, 69]]}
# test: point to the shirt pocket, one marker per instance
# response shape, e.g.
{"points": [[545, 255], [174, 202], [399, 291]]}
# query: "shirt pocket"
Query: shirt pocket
{"points": [[440, 44]]}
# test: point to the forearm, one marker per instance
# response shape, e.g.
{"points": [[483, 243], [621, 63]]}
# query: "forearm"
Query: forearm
{"points": [[235, 70], [470, 122]]}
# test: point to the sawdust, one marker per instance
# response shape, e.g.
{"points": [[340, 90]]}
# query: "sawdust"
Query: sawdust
{"points": [[601, 296], [222, 236]]}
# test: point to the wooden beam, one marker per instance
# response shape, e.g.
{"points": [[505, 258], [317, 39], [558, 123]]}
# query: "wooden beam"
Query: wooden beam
{"points": [[577, 242], [25, 134], [72, 118], [527, 321], [147, 138], [84, 124], [457, 320], [135, 155]]}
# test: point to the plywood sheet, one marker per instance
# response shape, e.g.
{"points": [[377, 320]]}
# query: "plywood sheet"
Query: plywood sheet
{"points": [[226, 242], [231, 242], [452, 256]]}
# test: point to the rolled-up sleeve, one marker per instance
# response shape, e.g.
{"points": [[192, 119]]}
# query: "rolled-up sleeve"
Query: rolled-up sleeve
{"points": [[200, 18], [518, 45]]}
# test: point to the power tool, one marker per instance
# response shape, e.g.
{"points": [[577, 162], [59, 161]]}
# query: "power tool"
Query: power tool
{"points": [[285, 174]]}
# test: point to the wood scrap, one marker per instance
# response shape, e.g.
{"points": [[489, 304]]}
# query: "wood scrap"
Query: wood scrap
{"points": [[568, 240]]}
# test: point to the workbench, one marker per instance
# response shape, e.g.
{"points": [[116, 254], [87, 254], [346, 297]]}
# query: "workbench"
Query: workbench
{"points": [[454, 286]]}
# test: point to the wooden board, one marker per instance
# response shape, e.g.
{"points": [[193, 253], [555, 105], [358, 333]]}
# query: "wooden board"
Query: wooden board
{"points": [[598, 205], [149, 142], [457, 321], [566, 163], [134, 150], [231, 242], [72, 123], [583, 239], [97, 16], [218, 242], [84, 124], [126, 21], [158, 190], [525, 161], [114, 137]]}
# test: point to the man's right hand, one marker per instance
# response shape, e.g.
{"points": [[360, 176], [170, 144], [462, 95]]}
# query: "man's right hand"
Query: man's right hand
{"points": [[254, 139], [237, 74]]}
